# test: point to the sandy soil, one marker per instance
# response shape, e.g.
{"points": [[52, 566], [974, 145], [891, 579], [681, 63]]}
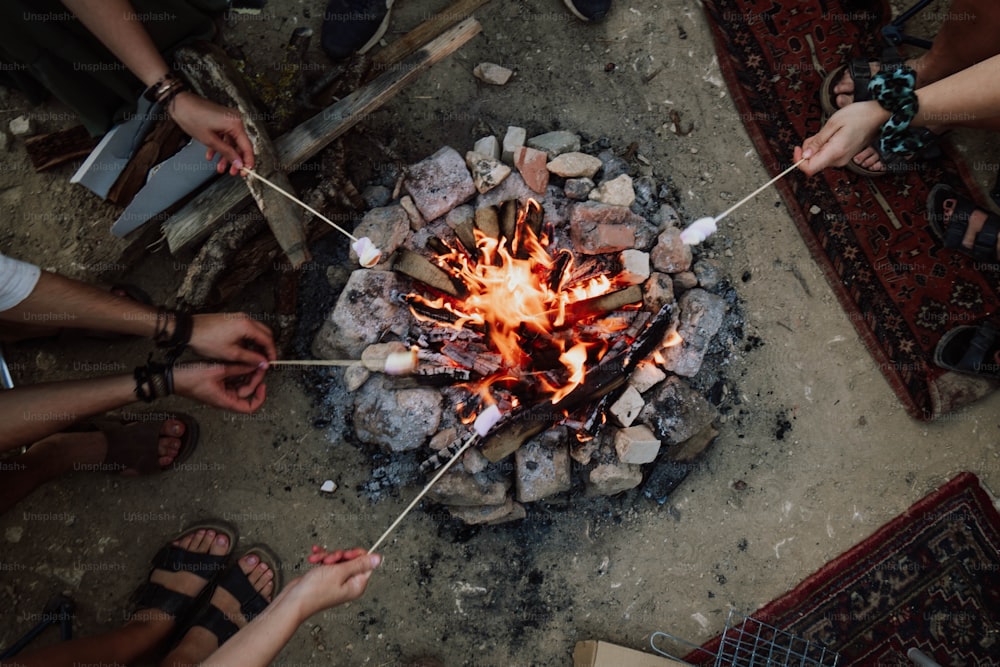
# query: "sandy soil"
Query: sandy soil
{"points": [[817, 454]]}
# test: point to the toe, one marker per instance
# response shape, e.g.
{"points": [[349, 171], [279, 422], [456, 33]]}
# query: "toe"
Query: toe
{"points": [[169, 446], [220, 545], [173, 428], [267, 591], [185, 541], [203, 542]]}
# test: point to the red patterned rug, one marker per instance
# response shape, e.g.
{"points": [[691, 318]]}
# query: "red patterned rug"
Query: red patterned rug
{"points": [[929, 579], [899, 287]]}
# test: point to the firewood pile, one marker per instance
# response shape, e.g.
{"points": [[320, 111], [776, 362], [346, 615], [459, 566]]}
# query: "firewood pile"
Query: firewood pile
{"points": [[232, 230], [531, 275]]}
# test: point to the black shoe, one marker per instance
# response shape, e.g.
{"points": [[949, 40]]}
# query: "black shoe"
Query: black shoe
{"points": [[353, 26], [589, 10]]}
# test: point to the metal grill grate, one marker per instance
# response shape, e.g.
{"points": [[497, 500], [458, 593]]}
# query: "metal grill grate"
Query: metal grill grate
{"points": [[748, 642]]}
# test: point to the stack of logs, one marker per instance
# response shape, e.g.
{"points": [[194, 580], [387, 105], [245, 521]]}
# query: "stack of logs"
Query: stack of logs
{"points": [[653, 417]]}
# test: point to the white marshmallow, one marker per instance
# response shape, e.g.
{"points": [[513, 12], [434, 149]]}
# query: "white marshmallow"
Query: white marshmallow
{"points": [[401, 363], [486, 419], [368, 254], [698, 231]]}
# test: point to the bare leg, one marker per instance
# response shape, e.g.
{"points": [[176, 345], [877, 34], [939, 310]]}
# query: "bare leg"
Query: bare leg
{"points": [[968, 35], [198, 643], [147, 629], [65, 452]]}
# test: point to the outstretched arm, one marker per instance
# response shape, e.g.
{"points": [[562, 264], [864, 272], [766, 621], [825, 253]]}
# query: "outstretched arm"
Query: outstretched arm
{"points": [[33, 412], [340, 576], [966, 98], [63, 302], [115, 24]]}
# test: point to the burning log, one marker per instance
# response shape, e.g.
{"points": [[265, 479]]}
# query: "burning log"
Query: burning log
{"points": [[610, 374], [488, 222], [508, 219], [484, 363], [603, 304], [423, 309], [466, 236], [422, 269]]}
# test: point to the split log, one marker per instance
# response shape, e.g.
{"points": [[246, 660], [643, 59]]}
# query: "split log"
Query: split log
{"points": [[214, 77], [508, 220], [194, 221], [54, 148], [488, 222], [215, 258], [466, 235], [603, 304], [165, 139], [423, 270]]}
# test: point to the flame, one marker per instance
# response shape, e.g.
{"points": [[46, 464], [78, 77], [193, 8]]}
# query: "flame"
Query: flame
{"points": [[517, 299]]}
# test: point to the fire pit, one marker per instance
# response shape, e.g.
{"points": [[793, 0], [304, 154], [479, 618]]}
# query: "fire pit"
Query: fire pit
{"points": [[563, 301]]}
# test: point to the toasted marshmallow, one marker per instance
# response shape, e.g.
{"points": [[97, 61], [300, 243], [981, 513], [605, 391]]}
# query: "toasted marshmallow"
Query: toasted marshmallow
{"points": [[368, 254], [486, 420], [401, 363], [698, 231]]}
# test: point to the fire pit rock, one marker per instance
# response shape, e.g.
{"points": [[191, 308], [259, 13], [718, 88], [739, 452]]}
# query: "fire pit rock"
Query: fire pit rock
{"points": [[593, 209], [396, 419]]}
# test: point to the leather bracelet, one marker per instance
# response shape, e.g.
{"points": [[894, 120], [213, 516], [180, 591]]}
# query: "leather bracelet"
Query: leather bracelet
{"points": [[154, 380], [895, 90], [168, 93], [183, 328], [160, 88]]}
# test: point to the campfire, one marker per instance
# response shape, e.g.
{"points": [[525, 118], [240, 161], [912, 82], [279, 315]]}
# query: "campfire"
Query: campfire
{"points": [[572, 330]]}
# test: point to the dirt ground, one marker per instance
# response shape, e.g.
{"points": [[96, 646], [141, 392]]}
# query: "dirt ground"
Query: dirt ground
{"points": [[817, 456]]}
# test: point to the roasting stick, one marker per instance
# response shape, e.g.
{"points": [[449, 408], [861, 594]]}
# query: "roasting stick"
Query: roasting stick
{"points": [[368, 254], [484, 422], [314, 362], [397, 363], [702, 228]]}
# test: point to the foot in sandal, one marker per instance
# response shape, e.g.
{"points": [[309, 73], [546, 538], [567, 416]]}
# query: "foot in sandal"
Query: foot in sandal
{"points": [[241, 593], [131, 448], [180, 572], [962, 225]]}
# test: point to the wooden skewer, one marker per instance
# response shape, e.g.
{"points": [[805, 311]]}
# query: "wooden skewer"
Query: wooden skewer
{"points": [[468, 443], [251, 172], [314, 362], [758, 191], [484, 422]]}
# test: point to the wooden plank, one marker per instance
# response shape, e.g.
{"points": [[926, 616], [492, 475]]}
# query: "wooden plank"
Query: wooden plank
{"points": [[193, 221], [424, 32], [213, 75]]}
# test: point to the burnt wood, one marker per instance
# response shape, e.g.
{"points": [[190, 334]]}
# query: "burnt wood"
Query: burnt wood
{"points": [[192, 222], [609, 375], [214, 76]]}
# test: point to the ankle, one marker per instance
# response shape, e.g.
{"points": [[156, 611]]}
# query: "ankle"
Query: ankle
{"points": [[196, 645]]}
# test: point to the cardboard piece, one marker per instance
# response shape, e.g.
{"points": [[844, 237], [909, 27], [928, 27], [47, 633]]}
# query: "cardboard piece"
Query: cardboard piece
{"points": [[593, 653]]}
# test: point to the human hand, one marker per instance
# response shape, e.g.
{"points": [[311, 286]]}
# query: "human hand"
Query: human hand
{"points": [[845, 134], [236, 387], [219, 128], [224, 336], [341, 576]]}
